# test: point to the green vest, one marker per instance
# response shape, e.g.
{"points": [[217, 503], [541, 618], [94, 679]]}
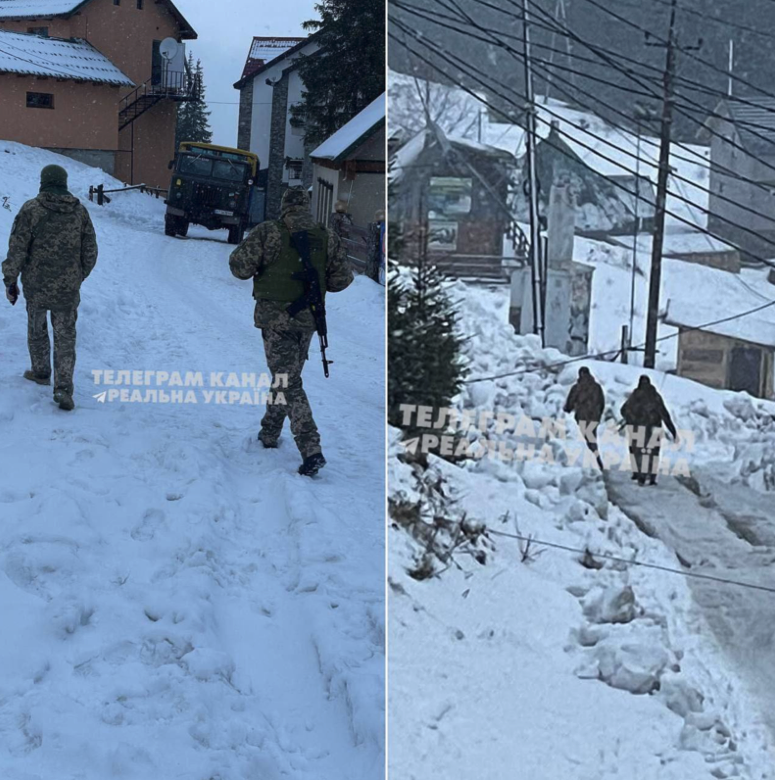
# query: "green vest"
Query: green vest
{"points": [[276, 282]]}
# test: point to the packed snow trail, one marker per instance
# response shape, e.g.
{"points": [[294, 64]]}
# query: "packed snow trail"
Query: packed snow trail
{"points": [[182, 603], [719, 531]]}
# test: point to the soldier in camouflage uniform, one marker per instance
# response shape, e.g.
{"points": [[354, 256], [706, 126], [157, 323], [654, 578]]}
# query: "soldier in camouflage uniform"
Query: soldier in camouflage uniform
{"points": [[54, 248], [587, 402], [268, 257], [644, 412]]}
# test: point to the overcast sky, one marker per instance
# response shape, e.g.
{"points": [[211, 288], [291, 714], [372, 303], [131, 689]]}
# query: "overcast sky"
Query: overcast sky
{"points": [[226, 30]]}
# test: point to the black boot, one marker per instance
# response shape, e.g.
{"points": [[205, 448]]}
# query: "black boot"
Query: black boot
{"points": [[65, 400], [268, 442], [38, 380], [312, 465]]}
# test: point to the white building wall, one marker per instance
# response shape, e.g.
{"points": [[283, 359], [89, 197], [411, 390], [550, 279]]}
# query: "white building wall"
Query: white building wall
{"points": [[262, 117], [260, 136], [294, 137]]}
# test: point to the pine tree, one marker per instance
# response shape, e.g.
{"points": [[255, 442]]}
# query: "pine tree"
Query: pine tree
{"points": [[425, 366], [348, 72], [193, 116]]}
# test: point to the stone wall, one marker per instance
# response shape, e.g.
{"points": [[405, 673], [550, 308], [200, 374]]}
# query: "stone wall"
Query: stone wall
{"points": [[245, 126], [275, 186]]}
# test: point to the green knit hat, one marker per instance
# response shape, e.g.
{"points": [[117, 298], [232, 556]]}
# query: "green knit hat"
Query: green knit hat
{"points": [[53, 176]]}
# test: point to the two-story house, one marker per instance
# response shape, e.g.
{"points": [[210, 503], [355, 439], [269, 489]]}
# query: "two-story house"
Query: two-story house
{"points": [[269, 87], [97, 80]]}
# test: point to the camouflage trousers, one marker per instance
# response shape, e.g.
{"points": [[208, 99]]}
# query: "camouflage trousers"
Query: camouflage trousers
{"points": [[63, 325], [286, 353]]}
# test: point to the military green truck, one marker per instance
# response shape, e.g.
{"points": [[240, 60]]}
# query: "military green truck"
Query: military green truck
{"points": [[212, 186]]}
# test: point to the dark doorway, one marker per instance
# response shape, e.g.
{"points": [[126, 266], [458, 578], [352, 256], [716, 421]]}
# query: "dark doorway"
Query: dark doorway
{"points": [[745, 370]]}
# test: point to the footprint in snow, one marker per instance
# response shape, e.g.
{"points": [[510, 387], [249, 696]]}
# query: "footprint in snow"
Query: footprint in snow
{"points": [[146, 529]]}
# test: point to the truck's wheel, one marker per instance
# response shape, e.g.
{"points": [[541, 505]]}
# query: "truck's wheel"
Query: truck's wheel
{"points": [[183, 227], [170, 224]]}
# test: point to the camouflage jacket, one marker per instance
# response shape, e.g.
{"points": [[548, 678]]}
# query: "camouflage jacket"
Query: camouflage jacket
{"points": [[645, 407], [263, 246], [586, 401], [54, 248]]}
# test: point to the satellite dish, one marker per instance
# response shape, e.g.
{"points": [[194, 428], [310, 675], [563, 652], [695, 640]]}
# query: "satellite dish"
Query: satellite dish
{"points": [[169, 49]]}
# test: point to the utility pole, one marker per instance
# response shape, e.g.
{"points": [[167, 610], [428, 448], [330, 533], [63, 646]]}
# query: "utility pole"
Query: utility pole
{"points": [[731, 66], [642, 115], [662, 180], [635, 229], [532, 176]]}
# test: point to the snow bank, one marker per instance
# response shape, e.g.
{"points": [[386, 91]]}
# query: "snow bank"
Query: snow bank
{"points": [[560, 663]]}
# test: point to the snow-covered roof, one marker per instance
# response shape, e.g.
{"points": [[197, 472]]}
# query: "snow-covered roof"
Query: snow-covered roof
{"points": [[56, 57], [407, 155], [724, 295], [269, 51], [31, 9], [40, 9], [266, 49], [755, 122], [354, 133]]}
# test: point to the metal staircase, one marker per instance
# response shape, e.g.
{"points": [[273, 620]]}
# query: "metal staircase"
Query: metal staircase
{"points": [[179, 86]]}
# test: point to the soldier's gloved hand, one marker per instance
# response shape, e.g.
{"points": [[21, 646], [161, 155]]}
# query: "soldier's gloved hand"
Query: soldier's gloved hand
{"points": [[12, 293]]}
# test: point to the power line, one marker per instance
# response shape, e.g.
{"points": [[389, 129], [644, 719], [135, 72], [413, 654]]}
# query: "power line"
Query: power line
{"points": [[688, 106], [596, 50], [691, 55], [630, 561], [708, 18], [713, 165], [677, 177], [610, 352], [596, 152], [449, 58], [606, 56]]}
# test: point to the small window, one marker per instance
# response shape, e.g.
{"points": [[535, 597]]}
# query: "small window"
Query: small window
{"points": [[295, 169], [116, 2], [38, 31], [140, 5], [40, 100]]}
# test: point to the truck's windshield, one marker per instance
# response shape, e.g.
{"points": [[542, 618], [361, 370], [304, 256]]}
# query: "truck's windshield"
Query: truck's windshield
{"points": [[212, 168]]}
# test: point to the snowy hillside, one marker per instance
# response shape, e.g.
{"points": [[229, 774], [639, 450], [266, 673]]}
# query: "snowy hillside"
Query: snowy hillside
{"points": [[525, 660], [178, 602]]}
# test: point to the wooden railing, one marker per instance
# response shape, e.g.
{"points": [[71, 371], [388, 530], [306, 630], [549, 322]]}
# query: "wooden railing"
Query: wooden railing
{"points": [[102, 194]]}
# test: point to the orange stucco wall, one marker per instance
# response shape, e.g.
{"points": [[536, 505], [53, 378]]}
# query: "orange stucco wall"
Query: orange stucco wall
{"points": [[86, 117], [154, 143]]}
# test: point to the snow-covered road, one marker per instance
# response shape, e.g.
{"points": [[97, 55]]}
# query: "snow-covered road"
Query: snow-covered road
{"points": [[723, 531], [181, 602]]}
